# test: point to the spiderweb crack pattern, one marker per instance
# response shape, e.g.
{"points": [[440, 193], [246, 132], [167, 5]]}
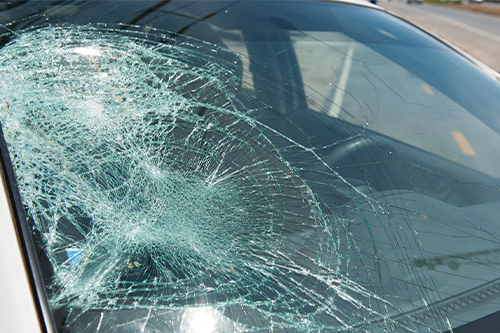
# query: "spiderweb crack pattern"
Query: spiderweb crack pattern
{"points": [[154, 187]]}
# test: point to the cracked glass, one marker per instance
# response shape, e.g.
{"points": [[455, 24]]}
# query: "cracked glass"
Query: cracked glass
{"points": [[248, 167]]}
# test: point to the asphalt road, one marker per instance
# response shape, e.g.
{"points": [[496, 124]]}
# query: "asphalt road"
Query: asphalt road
{"points": [[476, 33]]}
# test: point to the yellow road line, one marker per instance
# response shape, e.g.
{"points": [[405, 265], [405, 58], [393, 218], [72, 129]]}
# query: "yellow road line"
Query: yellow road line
{"points": [[427, 89], [463, 144]]}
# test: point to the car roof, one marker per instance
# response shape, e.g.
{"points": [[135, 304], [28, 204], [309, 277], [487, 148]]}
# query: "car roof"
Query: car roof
{"points": [[363, 3]]}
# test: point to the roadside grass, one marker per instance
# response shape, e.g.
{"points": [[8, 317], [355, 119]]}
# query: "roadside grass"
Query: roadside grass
{"points": [[443, 2], [465, 4]]}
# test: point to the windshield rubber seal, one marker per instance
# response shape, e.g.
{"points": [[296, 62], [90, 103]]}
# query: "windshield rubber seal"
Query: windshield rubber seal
{"points": [[25, 241]]}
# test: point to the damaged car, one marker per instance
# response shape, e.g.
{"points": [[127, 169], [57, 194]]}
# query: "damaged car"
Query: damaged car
{"points": [[244, 166]]}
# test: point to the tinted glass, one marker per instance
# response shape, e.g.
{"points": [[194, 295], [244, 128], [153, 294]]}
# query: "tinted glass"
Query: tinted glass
{"points": [[251, 166]]}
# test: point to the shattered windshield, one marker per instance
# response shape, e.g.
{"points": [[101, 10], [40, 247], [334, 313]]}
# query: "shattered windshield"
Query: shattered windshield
{"points": [[246, 167]]}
